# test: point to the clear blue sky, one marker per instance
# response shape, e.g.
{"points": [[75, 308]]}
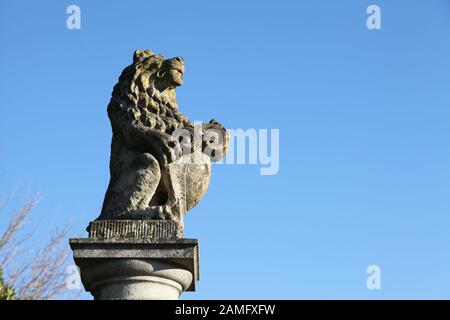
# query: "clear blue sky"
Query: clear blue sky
{"points": [[364, 133]]}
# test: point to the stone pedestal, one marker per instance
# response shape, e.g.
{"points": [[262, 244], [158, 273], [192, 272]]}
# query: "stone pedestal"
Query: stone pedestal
{"points": [[134, 261]]}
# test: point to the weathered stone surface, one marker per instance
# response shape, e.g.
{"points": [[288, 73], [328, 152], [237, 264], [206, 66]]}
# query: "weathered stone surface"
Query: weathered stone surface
{"points": [[160, 168], [137, 269], [160, 162], [135, 279], [133, 229]]}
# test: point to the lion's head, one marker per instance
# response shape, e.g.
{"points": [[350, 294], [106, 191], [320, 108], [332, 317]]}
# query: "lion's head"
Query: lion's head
{"points": [[146, 91], [155, 70]]}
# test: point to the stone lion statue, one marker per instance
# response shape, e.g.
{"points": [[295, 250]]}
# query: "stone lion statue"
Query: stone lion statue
{"points": [[160, 161]]}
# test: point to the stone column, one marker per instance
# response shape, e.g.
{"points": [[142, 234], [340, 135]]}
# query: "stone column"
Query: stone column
{"points": [[135, 260]]}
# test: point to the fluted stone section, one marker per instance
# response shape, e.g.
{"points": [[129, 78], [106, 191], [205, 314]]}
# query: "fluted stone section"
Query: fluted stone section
{"points": [[133, 229]]}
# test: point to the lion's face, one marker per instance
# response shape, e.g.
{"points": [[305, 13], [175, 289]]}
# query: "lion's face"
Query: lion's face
{"points": [[171, 72]]}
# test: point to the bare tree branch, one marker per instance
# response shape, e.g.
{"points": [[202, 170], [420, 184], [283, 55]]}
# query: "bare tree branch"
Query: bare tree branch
{"points": [[17, 220], [34, 274]]}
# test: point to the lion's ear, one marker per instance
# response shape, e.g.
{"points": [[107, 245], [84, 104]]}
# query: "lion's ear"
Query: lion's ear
{"points": [[137, 56], [140, 55]]}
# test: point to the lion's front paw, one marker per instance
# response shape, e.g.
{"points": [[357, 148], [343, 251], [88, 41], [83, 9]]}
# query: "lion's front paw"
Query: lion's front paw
{"points": [[173, 151]]}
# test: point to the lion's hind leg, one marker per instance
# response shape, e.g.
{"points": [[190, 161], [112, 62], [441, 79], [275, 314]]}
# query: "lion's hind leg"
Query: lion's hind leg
{"points": [[137, 184]]}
